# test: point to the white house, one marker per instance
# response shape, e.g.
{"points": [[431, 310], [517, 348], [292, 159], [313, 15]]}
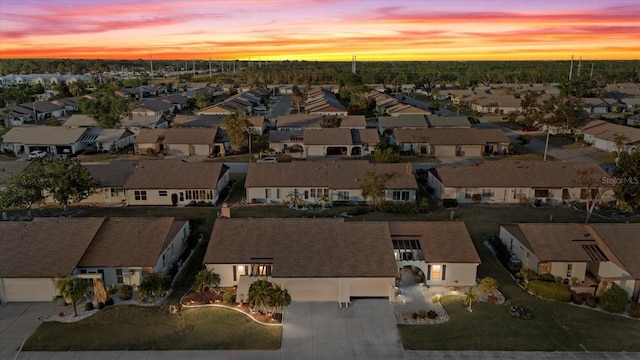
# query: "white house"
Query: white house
{"points": [[56, 140], [602, 135]]}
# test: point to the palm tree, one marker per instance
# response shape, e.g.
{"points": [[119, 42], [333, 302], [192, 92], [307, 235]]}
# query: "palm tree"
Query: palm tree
{"points": [[279, 298], [71, 289], [620, 140], [470, 298], [260, 293], [206, 280]]}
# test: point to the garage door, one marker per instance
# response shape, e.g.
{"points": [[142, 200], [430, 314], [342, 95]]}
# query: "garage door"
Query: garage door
{"points": [[312, 289], [445, 150], [21, 290], [370, 288]]}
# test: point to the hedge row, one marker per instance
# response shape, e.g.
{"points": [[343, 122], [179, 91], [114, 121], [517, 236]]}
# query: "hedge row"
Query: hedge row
{"points": [[550, 290]]}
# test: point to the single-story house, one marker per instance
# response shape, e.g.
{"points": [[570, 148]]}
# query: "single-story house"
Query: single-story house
{"points": [[154, 107], [451, 141], [499, 104], [339, 142], [56, 140], [586, 253], [339, 261], [81, 121], [178, 101], [198, 121], [38, 251], [601, 134], [325, 182], [70, 103], [297, 122], [109, 139], [127, 248], [443, 251], [111, 178], [135, 122], [178, 141], [391, 123], [507, 181], [448, 121], [595, 105], [175, 182]]}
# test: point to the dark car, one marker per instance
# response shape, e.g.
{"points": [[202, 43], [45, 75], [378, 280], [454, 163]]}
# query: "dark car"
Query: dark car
{"points": [[528, 128]]}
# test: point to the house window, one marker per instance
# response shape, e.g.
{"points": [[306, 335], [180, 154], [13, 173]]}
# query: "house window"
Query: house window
{"points": [[140, 195], [569, 270], [407, 250], [116, 192], [400, 195], [565, 194], [542, 193], [162, 193], [313, 193], [467, 193], [261, 270], [343, 195], [306, 194], [436, 272], [119, 276], [487, 193], [267, 193], [518, 193]]}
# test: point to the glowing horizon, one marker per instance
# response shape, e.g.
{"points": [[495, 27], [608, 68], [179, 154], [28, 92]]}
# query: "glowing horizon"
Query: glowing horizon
{"points": [[321, 30]]}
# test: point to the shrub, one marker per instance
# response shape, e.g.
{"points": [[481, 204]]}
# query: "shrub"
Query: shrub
{"points": [[476, 198], [112, 289], [358, 210], [527, 274], [100, 305], [549, 290], [432, 314], [399, 207], [547, 277], [435, 299], [449, 203], [109, 302], [614, 300], [414, 316], [229, 297], [591, 301], [422, 313], [576, 299], [488, 284], [125, 292], [634, 310], [88, 306]]}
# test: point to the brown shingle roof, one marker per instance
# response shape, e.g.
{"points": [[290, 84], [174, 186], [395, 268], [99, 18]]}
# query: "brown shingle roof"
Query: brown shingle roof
{"points": [[130, 242], [299, 120], [305, 247], [44, 247], [624, 242], [177, 136], [537, 174], [365, 136], [447, 136], [556, 242], [113, 174], [328, 136], [441, 242], [605, 130], [175, 174], [329, 174], [9, 169]]}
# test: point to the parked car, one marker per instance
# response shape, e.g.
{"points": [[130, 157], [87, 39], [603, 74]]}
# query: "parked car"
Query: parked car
{"points": [[528, 128], [260, 108], [37, 154], [268, 159]]}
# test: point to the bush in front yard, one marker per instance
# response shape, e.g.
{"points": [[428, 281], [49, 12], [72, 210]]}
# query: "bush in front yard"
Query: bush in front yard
{"points": [[613, 300], [125, 292], [399, 207], [228, 297], [88, 306], [549, 290], [634, 310], [449, 203]]}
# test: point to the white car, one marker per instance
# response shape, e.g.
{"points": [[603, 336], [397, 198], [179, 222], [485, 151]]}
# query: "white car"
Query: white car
{"points": [[37, 154], [268, 159], [260, 108]]}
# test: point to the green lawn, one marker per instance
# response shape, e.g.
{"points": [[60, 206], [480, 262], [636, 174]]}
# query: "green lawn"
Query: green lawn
{"points": [[555, 327], [558, 140], [148, 328]]}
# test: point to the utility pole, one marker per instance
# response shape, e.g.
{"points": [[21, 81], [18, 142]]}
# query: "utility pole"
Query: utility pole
{"points": [[209, 68], [353, 64], [591, 75], [579, 65], [571, 69]]}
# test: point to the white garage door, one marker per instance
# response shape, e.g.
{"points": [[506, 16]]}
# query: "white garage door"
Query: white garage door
{"points": [[20, 290], [312, 289], [370, 288]]}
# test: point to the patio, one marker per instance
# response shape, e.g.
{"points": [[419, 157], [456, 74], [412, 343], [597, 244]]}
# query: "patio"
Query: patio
{"points": [[414, 297]]}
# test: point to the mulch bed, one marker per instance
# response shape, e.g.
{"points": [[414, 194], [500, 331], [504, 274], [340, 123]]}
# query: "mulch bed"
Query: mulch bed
{"points": [[214, 297]]}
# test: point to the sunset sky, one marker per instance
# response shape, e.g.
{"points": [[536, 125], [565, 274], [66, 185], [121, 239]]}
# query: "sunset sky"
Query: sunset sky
{"points": [[321, 29]]}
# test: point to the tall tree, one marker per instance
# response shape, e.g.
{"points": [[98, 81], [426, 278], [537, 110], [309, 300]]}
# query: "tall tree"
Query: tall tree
{"points": [[374, 186], [331, 121], [620, 140], [25, 188], [67, 180], [627, 180], [106, 108], [71, 289], [260, 292], [279, 298], [564, 111], [238, 127]]}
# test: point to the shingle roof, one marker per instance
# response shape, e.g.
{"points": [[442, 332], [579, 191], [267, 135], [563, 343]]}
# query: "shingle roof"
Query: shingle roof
{"points": [[624, 242], [142, 121], [44, 247], [113, 174], [299, 120], [112, 135], [43, 135], [406, 121], [444, 121], [442, 136], [9, 169], [353, 121], [203, 121], [204, 136], [285, 136], [555, 242], [365, 136], [175, 174], [536, 174], [605, 130], [328, 136], [130, 242], [80, 120], [441, 242], [327, 248], [334, 175]]}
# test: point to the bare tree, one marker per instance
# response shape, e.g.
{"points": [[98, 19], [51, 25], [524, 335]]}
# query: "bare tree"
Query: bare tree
{"points": [[591, 181]]}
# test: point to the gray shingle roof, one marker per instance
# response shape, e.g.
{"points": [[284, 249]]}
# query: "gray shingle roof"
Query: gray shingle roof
{"points": [[43, 135], [113, 174], [175, 174]]}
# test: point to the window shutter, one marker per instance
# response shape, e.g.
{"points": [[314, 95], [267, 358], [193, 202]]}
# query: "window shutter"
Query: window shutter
{"points": [[444, 272], [428, 272], [235, 273]]}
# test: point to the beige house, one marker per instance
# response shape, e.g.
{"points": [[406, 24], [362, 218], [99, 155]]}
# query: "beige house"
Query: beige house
{"points": [[587, 252], [127, 248], [178, 141], [325, 182], [339, 261], [111, 178], [325, 142], [36, 252], [468, 142], [175, 182], [507, 181], [443, 251], [602, 135]]}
